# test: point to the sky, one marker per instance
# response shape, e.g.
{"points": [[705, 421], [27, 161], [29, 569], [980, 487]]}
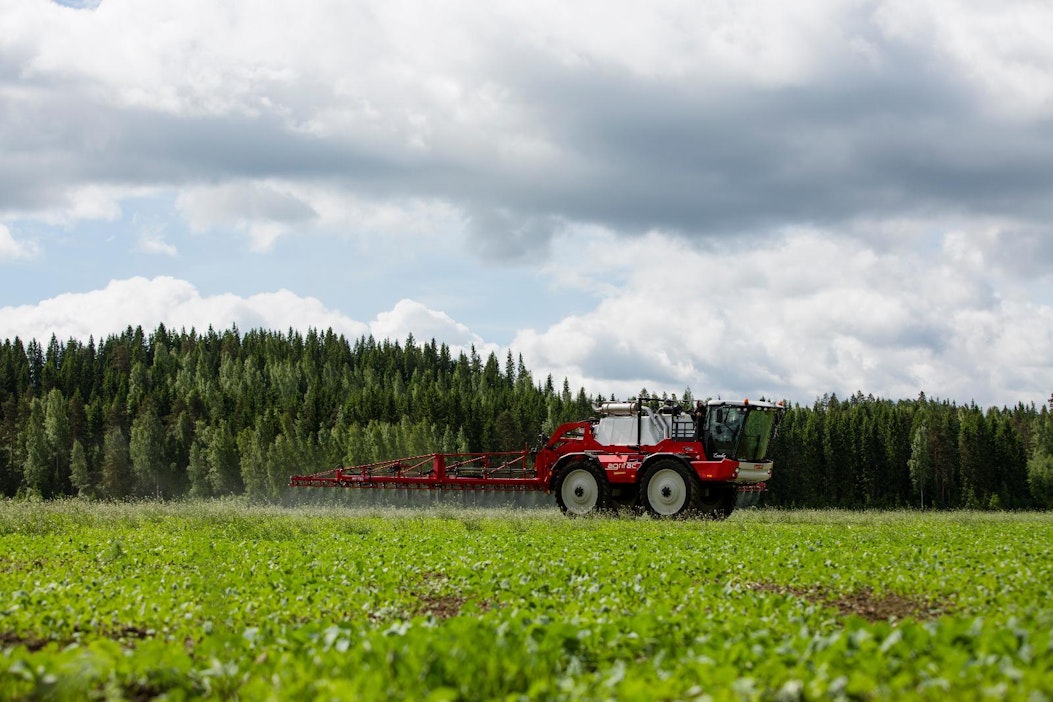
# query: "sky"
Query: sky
{"points": [[750, 198]]}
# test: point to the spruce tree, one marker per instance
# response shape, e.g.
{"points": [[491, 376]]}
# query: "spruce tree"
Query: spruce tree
{"points": [[920, 462], [37, 466], [80, 475], [146, 449], [116, 479]]}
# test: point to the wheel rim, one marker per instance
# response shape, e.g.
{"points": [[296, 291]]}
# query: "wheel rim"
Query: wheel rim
{"points": [[580, 491], [667, 492]]}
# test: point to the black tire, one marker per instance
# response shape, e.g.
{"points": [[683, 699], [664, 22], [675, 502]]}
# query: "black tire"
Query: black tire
{"points": [[582, 488], [669, 489], [718, 501]]}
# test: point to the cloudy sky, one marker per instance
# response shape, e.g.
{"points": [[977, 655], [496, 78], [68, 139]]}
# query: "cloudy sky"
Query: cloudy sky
{"points": [[750, 197]]}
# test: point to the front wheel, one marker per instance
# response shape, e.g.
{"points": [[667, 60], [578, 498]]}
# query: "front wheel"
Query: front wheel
{"points": [[669, 489], [582, 488]]}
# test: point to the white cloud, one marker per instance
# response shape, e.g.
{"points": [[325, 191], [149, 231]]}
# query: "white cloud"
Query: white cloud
{"points": [[12, 249], [1002, 49], [201, 57], [175, 303], [411, 317], [178, 304], [268, 209], [392, 67], [801, 315], [758, 42], [97, 202], [154, 243], [704, 118], [265, 211]]}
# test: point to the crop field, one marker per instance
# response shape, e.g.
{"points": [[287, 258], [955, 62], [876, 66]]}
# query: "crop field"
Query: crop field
{"points": [[222, 600]]}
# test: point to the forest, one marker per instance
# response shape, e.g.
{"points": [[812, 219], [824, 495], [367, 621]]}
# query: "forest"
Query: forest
{"points": [[168, 415]]}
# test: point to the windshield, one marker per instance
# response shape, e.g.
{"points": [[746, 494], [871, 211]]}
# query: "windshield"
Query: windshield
{"points": [[756, 435], [742, 433]]}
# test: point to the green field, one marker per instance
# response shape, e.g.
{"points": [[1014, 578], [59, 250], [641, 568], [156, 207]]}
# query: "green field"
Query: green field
{"points": [[224, 600]]}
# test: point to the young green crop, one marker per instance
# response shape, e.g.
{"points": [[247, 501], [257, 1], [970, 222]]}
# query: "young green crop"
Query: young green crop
{"points": [[220, 600]]}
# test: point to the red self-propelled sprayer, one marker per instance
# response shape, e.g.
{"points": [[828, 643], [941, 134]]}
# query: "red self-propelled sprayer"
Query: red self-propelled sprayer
{"points": [[668, 461]]}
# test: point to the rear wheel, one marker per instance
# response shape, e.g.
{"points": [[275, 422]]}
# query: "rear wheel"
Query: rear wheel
{"points": [[669, 489], [582, 488]]}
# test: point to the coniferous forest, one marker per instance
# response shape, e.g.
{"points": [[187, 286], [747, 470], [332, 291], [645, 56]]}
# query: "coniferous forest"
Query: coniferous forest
{"points": [[167, 415]]}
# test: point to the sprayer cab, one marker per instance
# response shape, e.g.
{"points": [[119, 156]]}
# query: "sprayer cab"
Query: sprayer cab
{"points": [[742, 431]]}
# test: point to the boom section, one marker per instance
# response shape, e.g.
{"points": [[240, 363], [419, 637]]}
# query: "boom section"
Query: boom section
{"points": [[500, 470]]}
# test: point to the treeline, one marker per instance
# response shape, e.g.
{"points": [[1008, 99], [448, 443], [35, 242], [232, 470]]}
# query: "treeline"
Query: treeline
{"points": [[185, 414], [866, 452], [174, 414]]}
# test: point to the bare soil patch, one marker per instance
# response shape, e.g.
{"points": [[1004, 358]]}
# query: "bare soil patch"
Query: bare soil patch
{"points": [[11, 639], [864, 603], [441, 606]]}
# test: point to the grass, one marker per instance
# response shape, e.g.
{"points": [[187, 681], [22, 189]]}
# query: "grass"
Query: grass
{"points": [[224, 600]]}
